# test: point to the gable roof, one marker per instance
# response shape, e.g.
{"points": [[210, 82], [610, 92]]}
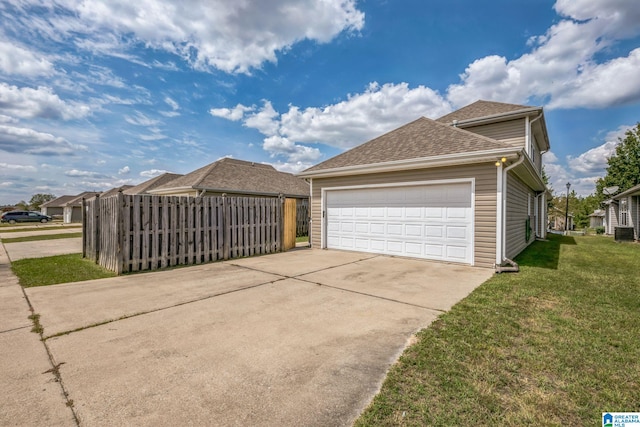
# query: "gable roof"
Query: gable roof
{"points": [[58, 202], [633, 191], [485, 109], [241, 177], [144, 187], [421, 138], [115, 190], [77, 200]]}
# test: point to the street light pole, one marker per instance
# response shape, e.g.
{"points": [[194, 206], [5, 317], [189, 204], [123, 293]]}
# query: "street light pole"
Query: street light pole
{"points": [[566, 213]]}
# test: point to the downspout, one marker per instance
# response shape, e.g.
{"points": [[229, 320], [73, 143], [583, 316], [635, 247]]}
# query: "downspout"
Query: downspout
{"points": [[512, 267]]}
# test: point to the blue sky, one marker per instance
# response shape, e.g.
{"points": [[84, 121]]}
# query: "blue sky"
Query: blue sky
{"points": [[100, 93]]}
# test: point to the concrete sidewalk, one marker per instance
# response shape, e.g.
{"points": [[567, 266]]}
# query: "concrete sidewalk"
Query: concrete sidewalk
{"points": [[43, 248], [31, 394], [5, 234], [297, 338]]}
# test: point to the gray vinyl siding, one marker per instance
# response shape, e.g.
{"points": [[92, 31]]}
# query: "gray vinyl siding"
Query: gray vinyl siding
{"points": [[485, 200], [511, 132], [517, 213], [613, 218]]}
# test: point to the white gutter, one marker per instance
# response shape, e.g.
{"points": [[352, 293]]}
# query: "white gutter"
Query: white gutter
{"points": [[502, 229], [423, 162]]}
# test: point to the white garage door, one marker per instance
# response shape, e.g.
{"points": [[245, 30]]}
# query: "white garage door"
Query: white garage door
{"points": [[426, 221]]}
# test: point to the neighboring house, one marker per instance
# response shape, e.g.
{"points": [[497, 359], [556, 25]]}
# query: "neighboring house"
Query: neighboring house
{"points": [[235, 177], [72, 209], [623, 210], [596, 219], [144, 187], [465, 188], [55, 207], [115, 190], [556, 219]]}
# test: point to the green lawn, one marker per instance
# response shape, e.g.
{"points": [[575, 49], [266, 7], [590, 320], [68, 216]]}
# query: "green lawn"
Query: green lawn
{"points": [[10, 228], [57, 269], [556, 344], [41, 237]]}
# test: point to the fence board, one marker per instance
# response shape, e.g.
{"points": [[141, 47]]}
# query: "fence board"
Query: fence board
{"points": [[125, 233]]}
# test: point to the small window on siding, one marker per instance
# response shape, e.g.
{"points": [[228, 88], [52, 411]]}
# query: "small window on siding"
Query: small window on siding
{"points": [[624, 213]]}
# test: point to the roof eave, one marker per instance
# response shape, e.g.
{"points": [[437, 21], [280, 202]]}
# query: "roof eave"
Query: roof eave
{"points": [[418, 163], [492, 118]]}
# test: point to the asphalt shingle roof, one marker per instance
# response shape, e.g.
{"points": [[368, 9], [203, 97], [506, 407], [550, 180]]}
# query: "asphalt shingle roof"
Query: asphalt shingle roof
{"points": [[481, 109], [419, 139], [239, 176], [58, 202], [152, 183]]}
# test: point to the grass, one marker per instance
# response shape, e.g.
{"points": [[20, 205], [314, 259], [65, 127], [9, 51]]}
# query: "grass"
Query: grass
{"points": [[555, 344], [57, 269], [302, 239], [7, 228], [41, 237]]}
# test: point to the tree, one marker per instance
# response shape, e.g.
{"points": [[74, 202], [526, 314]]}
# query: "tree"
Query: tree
{"points": [[623, 168], [22, 205], [38, 199]]}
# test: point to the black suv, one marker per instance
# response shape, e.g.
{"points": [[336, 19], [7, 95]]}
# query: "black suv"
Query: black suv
{"points": [[24, 216]]}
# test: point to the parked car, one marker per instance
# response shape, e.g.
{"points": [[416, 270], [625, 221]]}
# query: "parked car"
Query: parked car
{"points": [[24, 216]]}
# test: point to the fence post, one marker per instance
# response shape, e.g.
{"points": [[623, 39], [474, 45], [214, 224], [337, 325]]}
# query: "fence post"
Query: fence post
{"points": [[226, 227], [97, 227], [281, 222], [84, 228], [119, 233]]}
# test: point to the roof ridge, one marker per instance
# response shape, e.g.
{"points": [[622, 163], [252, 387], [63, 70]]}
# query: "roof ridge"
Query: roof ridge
{"points": [[486, 138], [208, 169]]}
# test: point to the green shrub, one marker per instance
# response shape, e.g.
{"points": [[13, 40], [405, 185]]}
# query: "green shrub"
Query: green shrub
{"points": [[599, 230]]}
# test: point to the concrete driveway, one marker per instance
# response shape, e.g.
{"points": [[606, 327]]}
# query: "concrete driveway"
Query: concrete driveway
{"points": [[41, 248], [298, 338]]}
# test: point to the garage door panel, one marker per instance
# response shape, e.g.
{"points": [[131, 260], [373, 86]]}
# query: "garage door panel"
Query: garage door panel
{"points": [[413, 230], [457, 233], [426, 221], [435, 231], [394, 229]]}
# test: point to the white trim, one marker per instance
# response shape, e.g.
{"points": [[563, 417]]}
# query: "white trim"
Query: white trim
{"points": [[416, 163], [310, 231], [471, 181], [527, 136], [499, 201]]}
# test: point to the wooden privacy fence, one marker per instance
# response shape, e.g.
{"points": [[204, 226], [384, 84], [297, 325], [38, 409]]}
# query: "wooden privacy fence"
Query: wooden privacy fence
{"points": [[126, 233]]}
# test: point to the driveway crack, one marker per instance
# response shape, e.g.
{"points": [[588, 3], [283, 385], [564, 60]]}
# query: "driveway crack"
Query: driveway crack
{"points": [[141, 313]]}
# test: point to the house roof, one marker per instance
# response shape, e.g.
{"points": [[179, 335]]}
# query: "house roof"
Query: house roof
{"points": [[598, 213], [57, 202], [419, 139], [633, 191], [144, 187], [238, 176], [484, 109], [115, 190], [77, 200]]}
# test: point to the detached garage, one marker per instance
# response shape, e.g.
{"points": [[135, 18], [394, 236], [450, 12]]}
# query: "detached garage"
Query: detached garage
{"points": [[438, 190], [433, 221]]}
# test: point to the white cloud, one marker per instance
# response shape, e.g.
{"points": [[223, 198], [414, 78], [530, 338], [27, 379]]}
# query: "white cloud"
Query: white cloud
{"points": [[16, 60], [141, 120], [74, 173], [562, 65], [378, 109], [28, 103], [234, 114], [549, 157], [230, 36], [152, 173], [594, 160], [291, 167], [171, 103], [27, 168], [277, 145], [124, 171], [29, 141]]}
